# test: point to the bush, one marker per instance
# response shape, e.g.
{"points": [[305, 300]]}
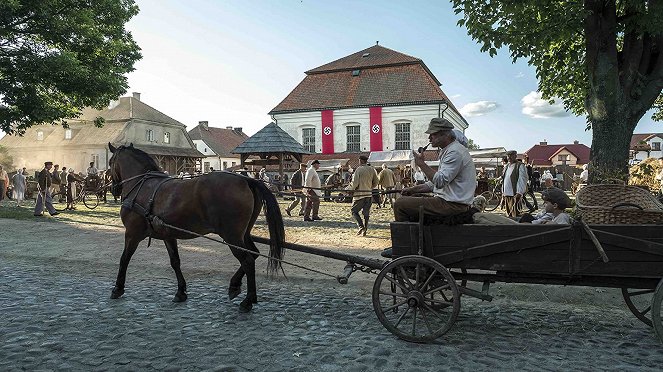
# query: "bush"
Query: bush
{"points": [[644, 174]]}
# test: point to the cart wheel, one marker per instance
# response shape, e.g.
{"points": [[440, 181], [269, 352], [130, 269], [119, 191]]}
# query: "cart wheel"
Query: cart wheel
{"points": [[638, 302], [416, 298], [657, 313], [59, 201], [91, 200]]}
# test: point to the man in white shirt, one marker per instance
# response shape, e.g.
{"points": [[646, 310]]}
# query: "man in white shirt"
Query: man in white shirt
{"points": [[514, 183], [312, 192], [453, 184]]}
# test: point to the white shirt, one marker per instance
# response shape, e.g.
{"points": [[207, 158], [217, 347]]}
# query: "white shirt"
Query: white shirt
{"points": [[312, 180], [584, 176], [521, 186], [456, 177]]}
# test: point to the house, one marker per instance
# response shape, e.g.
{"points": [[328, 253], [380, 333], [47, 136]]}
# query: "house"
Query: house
{"points": [[216, 144], [127, 120], [545, 155], [645, 145], [376, 99]]}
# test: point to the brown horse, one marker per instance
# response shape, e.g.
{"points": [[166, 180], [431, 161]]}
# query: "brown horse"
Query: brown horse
{"points": [[223, 203]]}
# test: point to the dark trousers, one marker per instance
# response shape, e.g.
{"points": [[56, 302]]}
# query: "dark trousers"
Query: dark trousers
{"points": [[312, 204], [363, 204]]}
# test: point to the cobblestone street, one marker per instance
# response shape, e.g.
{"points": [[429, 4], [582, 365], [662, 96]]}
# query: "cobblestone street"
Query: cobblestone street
{"points": [[66, 321]]}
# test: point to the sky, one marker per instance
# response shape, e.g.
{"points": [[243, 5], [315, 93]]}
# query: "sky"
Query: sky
{"points": [[230, 62]]}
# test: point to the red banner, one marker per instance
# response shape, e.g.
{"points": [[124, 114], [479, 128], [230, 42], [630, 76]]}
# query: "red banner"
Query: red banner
{"points": [[328, 132], [375, 114]]}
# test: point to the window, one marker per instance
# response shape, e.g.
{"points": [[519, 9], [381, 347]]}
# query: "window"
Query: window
{"points": [[225, 165], [166, 137], [95, 159], [67, 134], [656, 146], [40, 136], [402, 136], [205, 150], [206, 167], [234, 163], [354, 138], [563, 157], [308, 139], [149, 135]]}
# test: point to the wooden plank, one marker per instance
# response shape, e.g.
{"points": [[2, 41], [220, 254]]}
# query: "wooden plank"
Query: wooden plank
{"points": [[629, 242], [628, 269]]}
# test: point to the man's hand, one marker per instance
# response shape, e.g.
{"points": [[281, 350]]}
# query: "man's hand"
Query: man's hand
{"points": [[418, 159]]}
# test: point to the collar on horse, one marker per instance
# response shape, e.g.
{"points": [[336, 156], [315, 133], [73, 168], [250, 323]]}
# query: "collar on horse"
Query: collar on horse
{"points": [[129, 201]]}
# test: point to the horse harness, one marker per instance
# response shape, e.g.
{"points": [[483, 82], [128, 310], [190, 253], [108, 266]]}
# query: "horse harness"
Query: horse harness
{"points": [[129, 202]]}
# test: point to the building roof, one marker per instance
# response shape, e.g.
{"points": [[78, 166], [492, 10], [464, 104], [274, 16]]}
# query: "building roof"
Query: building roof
{"points": [[270, 139], [636, 138], [385, 78], [221, 140], [543, 154], [125, 109]]}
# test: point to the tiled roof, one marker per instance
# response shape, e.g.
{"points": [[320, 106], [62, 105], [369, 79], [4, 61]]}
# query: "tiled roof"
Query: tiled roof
{"points": [[386, 78], [221, 140], [270, 139], [127, 108], [542, 154], [636, 138]]}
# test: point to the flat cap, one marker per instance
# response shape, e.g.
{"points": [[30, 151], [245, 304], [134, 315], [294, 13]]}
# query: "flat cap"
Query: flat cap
{"points": [[556, 196], [315, 162], [438, 124], [512, 152], [48, 163]]}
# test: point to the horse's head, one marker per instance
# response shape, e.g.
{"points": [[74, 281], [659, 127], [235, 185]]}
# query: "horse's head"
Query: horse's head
{"points": [[114, 170], [128, 162]]}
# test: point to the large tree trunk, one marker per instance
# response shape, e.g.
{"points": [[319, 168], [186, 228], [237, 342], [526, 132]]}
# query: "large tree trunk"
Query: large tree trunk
{"points": [[610, 145]]}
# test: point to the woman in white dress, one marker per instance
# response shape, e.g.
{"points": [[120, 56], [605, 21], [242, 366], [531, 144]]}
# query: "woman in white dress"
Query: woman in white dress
{"points": [[19, 186]]}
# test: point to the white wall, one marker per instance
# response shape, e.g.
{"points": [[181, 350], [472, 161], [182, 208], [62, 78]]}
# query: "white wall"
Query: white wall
{"points": [[417, 116]]}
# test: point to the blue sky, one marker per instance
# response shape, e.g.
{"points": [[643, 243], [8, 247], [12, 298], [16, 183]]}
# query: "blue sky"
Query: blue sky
{"points": [[230, 62]]}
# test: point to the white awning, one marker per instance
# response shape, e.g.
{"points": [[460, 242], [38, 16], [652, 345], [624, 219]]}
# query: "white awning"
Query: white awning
{"points": [[495, 152], [391, 158], [331, 164]]}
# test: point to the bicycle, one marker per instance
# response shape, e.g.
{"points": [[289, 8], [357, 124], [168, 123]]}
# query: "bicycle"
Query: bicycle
{"points": [[528, 203], [90, 198]]}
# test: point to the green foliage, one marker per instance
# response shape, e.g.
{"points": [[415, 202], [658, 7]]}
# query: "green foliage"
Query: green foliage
{"points": [[471, 145], [6, 160], [58, 56]]}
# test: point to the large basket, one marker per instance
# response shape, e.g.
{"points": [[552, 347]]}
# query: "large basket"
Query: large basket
{"points": [[618, 204]]}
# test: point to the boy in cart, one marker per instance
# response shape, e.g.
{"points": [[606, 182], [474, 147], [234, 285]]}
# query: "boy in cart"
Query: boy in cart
{"points": [[555, 202]]}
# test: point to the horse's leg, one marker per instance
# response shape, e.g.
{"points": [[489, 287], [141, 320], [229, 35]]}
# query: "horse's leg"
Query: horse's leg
{"points": [[235, 287], [249, 264], [130, 245], [171, 246]]}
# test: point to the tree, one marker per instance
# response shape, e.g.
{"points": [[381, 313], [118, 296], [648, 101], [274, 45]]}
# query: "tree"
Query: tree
{"points": [[604, 58], [58, 56], [471, 145]]}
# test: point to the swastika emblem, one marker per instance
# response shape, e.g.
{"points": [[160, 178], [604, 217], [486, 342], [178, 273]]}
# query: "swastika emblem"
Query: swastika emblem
{"points": [[376, 128], [327, 131]]}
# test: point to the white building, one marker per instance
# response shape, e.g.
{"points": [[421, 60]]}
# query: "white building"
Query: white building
{"points": [[646, 145], [216, 144], [374, 100]]}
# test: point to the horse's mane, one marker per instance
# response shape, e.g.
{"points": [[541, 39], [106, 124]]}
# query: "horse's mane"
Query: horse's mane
{"points": [[142, 157]]}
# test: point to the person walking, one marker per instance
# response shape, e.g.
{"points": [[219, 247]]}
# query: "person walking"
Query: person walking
{"points": [[19, 184], [514, 183], [364, 180], [44, 197], [4, 183], [387, 181], [312, 192], [333, 182], [55, 178], [296, 183]]}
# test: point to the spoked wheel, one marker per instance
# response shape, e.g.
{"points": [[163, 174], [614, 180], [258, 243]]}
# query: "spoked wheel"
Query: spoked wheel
{"points": [[638, 301], [493, 200], [416, 298], [91, 200], [59, 201], [657, 311]]}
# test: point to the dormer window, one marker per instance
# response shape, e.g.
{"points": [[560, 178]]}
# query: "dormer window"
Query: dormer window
{"points": [[67, 134], [149, 135], [166, 137], [40, 136], [355, 72]]}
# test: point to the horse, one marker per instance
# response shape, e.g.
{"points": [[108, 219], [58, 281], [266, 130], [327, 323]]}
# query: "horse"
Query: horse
{"points": [[223, 203]]}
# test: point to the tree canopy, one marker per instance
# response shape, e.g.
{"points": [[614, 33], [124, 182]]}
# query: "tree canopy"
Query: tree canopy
{"points": [[602, 58], [59, 56]]}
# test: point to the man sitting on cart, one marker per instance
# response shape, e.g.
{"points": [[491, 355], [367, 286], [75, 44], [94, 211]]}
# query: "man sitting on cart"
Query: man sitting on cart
{"points": [[452, 185]]}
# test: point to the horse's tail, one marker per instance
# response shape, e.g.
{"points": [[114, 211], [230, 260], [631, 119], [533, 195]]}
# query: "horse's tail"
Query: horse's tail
{"points": [[274, 222]]}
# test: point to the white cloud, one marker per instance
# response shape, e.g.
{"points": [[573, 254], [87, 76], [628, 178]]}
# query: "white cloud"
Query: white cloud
{"points": [[478, 108], [455, 96], [519, 75], [536, 107]]}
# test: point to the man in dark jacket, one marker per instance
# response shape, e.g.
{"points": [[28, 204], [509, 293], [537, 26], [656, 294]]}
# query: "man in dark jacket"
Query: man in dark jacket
{"points": [[44, 198], [297, 182]]}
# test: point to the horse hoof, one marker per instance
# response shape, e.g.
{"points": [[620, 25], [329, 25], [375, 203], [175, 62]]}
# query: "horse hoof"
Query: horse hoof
{"points": [[234, 292], [117, 293], [180, 297], [245, 306]]}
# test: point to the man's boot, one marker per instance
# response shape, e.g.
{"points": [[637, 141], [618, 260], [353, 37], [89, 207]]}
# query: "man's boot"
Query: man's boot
{"points": [[365, 224]]}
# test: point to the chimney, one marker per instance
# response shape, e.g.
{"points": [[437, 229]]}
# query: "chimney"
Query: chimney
{"points": [[203, 124], [543, 143], [238, 129], [576, 142], [136, 95], [230, 127]]}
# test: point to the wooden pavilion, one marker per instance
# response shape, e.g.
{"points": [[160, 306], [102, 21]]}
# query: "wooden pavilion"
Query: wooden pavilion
{"points": [[271, 146]]}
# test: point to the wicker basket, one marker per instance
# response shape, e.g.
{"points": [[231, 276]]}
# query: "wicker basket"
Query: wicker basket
{"points": [[618, 204]]}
